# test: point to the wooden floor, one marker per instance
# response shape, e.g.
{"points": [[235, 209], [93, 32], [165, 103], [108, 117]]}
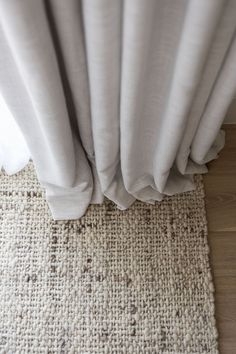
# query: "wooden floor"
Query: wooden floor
{"points": [[220, 187]]}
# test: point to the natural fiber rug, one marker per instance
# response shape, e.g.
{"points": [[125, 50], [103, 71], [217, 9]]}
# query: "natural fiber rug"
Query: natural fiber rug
{"points": [[134, 281]]}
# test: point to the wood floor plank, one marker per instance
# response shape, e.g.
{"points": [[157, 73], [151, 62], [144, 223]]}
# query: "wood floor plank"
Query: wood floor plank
{"points": [[223, 254], [220, 184], [220, 189], [230, 130], [226, 162], [221, 212]]}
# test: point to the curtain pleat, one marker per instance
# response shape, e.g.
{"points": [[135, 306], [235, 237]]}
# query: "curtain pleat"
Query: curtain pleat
{"points": [[123, 99]]}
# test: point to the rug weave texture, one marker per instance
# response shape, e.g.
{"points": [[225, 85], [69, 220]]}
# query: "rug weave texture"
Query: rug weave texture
{"points": [[134, 281]]}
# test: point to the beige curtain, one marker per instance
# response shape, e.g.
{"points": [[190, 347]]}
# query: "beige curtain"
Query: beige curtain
{"points": [[122, 99]]}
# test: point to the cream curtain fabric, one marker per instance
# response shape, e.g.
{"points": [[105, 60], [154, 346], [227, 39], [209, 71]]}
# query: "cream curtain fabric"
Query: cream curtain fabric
{"points": [[14, 153], [122, 99]]}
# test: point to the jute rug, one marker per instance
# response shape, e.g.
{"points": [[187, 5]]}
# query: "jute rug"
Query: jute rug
{"points": [[134, 281]]}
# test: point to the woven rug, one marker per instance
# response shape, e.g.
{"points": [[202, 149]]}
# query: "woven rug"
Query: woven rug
{"points": [[134, 281]]}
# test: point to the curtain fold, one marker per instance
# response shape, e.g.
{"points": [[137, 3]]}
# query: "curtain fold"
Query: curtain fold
{"points": [[122, 99]]}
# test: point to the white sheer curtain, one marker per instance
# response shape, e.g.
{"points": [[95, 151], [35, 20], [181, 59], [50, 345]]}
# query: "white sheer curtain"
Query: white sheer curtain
{"points": [[14, 153], [122, 99]]}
